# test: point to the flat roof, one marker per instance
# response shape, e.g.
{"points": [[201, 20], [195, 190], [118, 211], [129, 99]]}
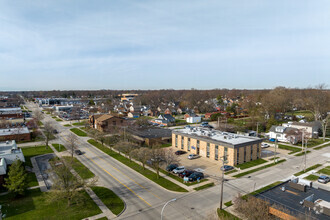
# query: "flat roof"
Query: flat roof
{"points": [[291, 199], [10, 131], [151, 132], [10, 109], [218, 137]]}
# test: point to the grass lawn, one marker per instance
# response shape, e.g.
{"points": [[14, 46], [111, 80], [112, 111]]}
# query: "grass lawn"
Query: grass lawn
{"points": [[179, 179], [314, 142], [78, 132], [251, 164], [34, 151], [83, 171], [110, 199], [223, 214], [259, 168], [54, 117], [67, 125], [40, 123], [302, 153], [320, 147], [34, 206], [228, 204], [82, 123], [147, 173], [59, 147], [308, 169], [166, 145], [231, 171], [204, 186], [325, 170], [292, 149], [311, 177], [32, 179], [58, 119]]}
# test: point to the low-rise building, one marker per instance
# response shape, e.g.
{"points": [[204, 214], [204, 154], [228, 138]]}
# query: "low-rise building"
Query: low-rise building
{"points": [[195, 119], [10, 113], [311, 129], [213, 144], [18, 134], [151, 136], [108, 123]]}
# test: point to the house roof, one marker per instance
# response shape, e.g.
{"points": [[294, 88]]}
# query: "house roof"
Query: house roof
{"points": [[105, 117]]}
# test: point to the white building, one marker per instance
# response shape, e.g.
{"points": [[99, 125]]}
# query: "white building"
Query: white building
{"points": [[194, 119], [9, 152], [310, 128]]}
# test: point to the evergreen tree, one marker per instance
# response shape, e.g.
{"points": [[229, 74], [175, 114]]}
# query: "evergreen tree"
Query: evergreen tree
{"points": [[17, 178]]}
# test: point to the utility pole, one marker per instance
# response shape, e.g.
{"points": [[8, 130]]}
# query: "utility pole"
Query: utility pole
{"points": [[222, 181], [305, 156], [275, 149]]}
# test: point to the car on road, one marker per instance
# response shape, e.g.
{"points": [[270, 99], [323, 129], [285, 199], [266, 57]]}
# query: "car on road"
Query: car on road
{"points": [[323, 179], [196, 175], [179, 170], [171, 167], [265, 145], [78, 152], [55, 131], [192, 156], [226, 168], [186, 173], [179, 152]]}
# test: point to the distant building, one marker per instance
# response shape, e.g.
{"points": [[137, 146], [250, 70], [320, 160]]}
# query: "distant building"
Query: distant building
{"points": [[109, 123], [133, 114], [311, 128], [152, 136], [213, 144], [11, 113], [128, 97], [18, 134], [194, 119]]}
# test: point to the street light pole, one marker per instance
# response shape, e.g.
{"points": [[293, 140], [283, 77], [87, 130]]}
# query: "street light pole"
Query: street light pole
{"points": [[222, 181], [161, 214]]}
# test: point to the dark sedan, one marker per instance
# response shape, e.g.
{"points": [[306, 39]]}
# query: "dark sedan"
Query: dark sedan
{"points": [[185, 173], [171, 167], [179, 152]]}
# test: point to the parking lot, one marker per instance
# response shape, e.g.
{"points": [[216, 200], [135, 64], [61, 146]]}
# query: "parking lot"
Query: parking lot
{"points": [[209, 168]]}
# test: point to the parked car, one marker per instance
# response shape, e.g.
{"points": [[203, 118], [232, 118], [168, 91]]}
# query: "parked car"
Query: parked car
{"points": [[171, 167], [187, 126], [186, 173], [196, 175], [55, 131], [226, 168], [192, 156], [179, 170], [264, 145], [323, 179], [179, 152], [78, 152]]}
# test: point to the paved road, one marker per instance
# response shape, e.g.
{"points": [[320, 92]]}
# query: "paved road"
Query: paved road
{"points": [[145, 199]]}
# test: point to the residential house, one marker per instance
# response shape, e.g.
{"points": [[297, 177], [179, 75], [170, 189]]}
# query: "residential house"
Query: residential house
{"points": [[311, 129], [133, 114], [284, 134], [92, 119], [194, 119], [109, 123]]}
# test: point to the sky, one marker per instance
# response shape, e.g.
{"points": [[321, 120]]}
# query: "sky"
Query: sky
{"points": [[163, 44]]}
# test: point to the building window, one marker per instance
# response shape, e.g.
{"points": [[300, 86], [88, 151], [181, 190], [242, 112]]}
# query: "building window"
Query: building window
{"points": [[208, 150], [225, 154], [176, 140], [188, 144], [216, 151], [182, 142]]}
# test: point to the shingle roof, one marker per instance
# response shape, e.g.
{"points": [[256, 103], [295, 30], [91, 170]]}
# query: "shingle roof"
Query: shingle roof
{"points": [[105, 117]]}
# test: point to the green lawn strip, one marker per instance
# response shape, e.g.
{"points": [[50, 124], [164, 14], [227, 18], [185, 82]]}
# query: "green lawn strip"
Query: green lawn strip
{"points": [[179, 179], [320, 147], [110, 199], [308, 169], [147, 173], [223, 214], [325, 170], [40, 123], [80, 168], [251, 163], [166, 145], [34, 205], [32, 179], [228, 204], [290, 148], [204, 186], [67, 125], [78, 132], [82, 123], [54, 117], [59, 147], [29, 152], [302, 153], [258, 169], [311, 177], [103, 218], [58, 119], [231, 171]]}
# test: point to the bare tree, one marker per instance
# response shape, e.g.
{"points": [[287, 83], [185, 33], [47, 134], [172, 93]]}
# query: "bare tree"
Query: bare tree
{"points": [[170, 157], [157, 158], [38, 115], [48, 131], [126, 148], [325, 125], [72, 139], [141, 154]]}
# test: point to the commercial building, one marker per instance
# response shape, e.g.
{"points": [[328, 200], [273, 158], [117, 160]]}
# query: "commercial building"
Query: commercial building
{"points": [[151, 136], [213, 144], [18, 134], [9, 113], [107, 123]]}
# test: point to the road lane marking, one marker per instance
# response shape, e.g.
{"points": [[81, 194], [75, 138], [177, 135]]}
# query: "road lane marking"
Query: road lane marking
{"points": [[114, 177], [126, 176]]}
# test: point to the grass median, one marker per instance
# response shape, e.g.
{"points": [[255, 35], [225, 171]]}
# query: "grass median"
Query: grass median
{"points": [[138, 168], [80, 168], [59, 147], [78, 132], [321, 147], [325, 170], [302, 153], [34, 151], [204, 186], [251, 164], [292, 149], [308, 169], [110, 199], [311, 177], [258, 169]]}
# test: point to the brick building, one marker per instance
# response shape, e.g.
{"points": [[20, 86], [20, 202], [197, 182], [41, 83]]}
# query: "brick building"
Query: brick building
{"points": [[17, 134], [108, 123], [213, 144]]}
